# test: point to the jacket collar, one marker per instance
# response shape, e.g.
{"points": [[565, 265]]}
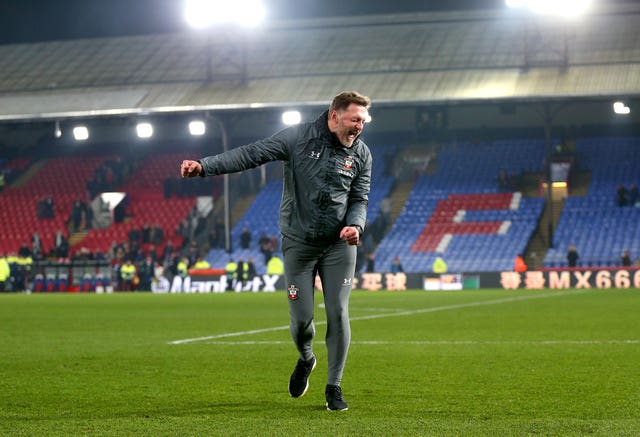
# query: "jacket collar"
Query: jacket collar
{"points": [[322, 123]]}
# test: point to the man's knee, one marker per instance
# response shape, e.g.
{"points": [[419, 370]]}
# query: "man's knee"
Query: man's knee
{"points": [[301, 325]]}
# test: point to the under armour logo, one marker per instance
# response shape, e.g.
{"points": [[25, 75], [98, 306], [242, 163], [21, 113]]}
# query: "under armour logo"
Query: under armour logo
{"points": [[347, 281], [314, 154]]}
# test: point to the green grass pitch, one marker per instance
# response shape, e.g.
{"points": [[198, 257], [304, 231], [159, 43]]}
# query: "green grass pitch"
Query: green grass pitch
{"points": [[485, 362]]}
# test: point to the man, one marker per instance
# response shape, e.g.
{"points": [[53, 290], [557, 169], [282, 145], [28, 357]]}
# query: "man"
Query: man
{"points": [[201, 264], [327, 175], [231, 270], [251, 269], [245, 238], [572, 256], [128, 274], [5, 271], [625, 258], [396, 265], [519, 265], [439, 265], [241, 275]]}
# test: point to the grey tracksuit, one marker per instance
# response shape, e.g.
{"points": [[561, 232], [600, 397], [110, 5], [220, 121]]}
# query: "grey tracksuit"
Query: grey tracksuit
{"points": [[326, 187]]}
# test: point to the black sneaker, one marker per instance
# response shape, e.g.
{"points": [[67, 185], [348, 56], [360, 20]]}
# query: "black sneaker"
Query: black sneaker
{"points": [[299, 381], [333, 393]]}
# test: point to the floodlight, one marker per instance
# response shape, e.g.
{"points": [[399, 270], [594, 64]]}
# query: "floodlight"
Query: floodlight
{"points": [[80, 133], [514, 3], [204, 13], [57, 132], [621, 108], [291, 117], [197, 127], [564, 8], [144, 130]]}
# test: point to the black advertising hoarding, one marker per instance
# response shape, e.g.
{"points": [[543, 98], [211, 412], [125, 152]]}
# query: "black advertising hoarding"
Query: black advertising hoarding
{"points": [[544, 279]]}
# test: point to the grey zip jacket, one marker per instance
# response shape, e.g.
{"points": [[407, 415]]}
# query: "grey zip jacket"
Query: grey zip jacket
{"points": [[326, 185]]}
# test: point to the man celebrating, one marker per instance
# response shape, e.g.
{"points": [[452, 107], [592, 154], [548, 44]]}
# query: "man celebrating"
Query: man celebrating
{"points": [[327, 175]]}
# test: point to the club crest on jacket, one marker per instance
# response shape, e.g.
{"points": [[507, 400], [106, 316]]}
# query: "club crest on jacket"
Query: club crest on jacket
{"points": [[293, 292]]}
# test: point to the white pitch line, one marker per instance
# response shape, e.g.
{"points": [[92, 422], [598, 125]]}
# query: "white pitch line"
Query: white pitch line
{"points": [[231, 334], [368, 309], [381, 310], [497, 342], [395, 314], [443, 342]]}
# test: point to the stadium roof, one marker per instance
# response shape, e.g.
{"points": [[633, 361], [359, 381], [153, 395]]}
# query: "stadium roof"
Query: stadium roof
{"points": [[437, 57]]}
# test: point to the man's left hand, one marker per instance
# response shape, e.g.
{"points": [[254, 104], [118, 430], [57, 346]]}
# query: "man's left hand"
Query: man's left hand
{"points": [[351, 235]]}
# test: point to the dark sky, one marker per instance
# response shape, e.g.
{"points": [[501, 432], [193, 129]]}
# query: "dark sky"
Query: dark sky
{"points": [[41, 20]]}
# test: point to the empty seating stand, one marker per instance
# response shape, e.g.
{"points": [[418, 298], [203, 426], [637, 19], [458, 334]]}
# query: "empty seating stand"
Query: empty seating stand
{"points": [[147, 204], [460, 215], [64, 180], [594, 223]]}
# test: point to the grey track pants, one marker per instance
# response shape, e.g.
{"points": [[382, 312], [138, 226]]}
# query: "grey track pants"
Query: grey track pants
{"points": [[335, 265]]}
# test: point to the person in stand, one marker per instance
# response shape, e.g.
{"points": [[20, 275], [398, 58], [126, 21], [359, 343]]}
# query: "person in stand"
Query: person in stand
{"points": [[251, 270], [231, 270], [633, 194], [36, 245], [519, 265], [201, 264], [146, 272], [77, 211], [625, 259], [167, 252], [265, 247], [5, 271], [327, 177], [439, 265], [572, 256], [371, 263], [241, 275], [396, 265], [245, 238], [182, 269], [504, 184], [622, 195], [275, 266], [128, 275], [159, 283]]}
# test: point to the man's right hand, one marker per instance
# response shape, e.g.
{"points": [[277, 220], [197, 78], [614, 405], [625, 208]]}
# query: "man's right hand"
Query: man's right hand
{"points": [[190, 169]]}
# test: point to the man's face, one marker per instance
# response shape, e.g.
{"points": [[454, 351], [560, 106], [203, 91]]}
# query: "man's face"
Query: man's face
{"points": [[349, 123]]}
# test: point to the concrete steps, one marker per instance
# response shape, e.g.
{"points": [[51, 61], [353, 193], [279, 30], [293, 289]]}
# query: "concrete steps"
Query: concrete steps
{"points": [[543, 235], [30, 173], [399, 196]]}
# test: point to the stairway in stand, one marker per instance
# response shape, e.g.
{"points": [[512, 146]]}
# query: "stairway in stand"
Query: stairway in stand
{"points": [[541, 239], [29, 173], [399, 196], [76, 237], [240, 207]]}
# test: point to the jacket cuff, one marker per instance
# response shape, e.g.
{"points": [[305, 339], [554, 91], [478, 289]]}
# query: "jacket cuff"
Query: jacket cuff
{"points": [[202, 173]]}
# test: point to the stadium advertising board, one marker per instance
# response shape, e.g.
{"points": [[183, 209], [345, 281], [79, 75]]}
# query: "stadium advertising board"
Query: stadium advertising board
{"points": [[570, 278], [219, 284], [95, 277], [550, 279]]}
